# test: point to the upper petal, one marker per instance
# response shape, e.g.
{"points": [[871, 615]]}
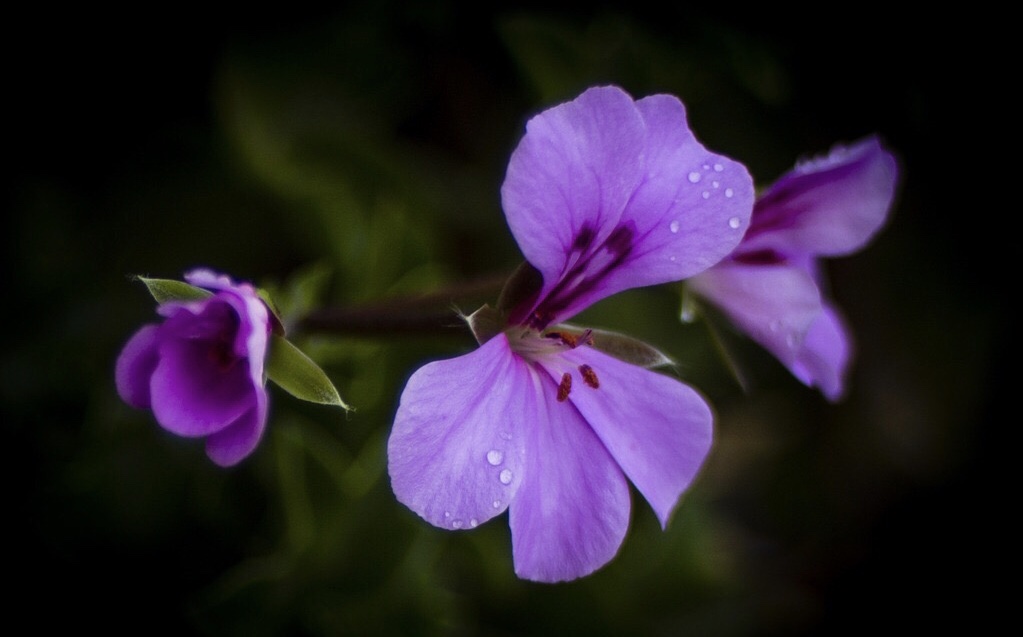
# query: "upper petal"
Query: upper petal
{"points": [[135, 365], [571, 176], [773, 304], [572, 509], [691, 209], [829, 206], [456, 450], [251, 338], [658, 429]]}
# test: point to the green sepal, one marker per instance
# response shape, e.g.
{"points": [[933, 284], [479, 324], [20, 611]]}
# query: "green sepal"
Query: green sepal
{"points": [[624, 348], [524, 284], [165, 290], [276, 324], [486, 323], [297, 374]]}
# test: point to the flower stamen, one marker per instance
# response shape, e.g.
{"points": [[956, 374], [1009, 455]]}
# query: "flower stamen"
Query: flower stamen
{"points": [[565, 387], [589, 376]]}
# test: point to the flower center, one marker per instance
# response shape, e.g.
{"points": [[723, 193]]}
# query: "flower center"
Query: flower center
{"points": [[544, 347]]}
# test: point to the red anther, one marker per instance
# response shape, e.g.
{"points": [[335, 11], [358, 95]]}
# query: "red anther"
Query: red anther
{"points": [[565, 387], [589, 376]]}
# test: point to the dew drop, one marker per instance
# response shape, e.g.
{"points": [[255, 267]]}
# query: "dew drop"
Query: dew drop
{"points": [[497, 504], [674, 227], [729, 192], [495, 457], [505, 476], [694, 177], [718, 168], [473, 522], [715, 183], [706, 195], [456, 524], [706, 167], [688, 315], [447, 514], [734, 223]]}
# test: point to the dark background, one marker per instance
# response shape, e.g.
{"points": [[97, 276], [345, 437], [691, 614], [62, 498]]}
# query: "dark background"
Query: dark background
{"points": [[370, 140]]}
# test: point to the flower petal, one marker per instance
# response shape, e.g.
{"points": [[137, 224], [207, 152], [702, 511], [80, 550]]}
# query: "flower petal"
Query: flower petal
{"points": [[456, 450], [692, 208], [135, 365], [572, 510], [192, 395], [773, 304], [251, 340], [234, 443], [825, 356], [826, 207], [571, 177], [658, 429]]}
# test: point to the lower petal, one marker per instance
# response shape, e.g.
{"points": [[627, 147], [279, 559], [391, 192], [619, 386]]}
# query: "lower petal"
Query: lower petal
{"points": [[825, 356], [135, 365], [192, 395], [455, 453], [658, 429], [773, 304], [572, 510], [234, 443]]}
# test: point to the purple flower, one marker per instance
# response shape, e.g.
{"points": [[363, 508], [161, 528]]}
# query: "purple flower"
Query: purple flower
{"points": [[201, 369], [771, 286], [603, 194]]}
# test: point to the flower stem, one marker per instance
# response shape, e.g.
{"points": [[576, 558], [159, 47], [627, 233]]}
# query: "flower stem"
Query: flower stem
{"points": [[436, 313]]}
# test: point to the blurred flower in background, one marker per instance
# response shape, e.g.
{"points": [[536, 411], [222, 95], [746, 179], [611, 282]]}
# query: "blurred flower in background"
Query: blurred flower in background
{"points": [[774, 286]]}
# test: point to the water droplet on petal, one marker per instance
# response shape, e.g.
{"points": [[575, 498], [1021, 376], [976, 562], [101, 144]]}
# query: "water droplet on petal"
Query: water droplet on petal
{"points": [[729, 192], [495, 457], [674, 227], [718, 168], [497, 504], [716, 184], [447, 514], [456, 524], [734, 222], [473, 522], [706, 195], [694, 177], [505, 476]]}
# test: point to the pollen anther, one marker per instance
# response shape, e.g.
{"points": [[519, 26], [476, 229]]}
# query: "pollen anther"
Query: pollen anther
{"points": [[565, 387], [589, 376]]}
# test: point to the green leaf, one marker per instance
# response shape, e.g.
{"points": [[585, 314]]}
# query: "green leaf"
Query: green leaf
{"points": [[298, 375], [164, 290]]}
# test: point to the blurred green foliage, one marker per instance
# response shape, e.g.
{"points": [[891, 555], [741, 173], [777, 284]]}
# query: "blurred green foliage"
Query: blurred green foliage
{"points": [[349, 155]]}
